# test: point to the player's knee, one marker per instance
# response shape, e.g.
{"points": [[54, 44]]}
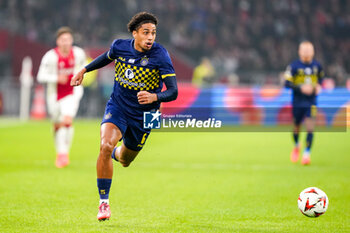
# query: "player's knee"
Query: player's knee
{"points": [[57, 126], [296, 128], [67, 121], [125, 164], [106, 148]]}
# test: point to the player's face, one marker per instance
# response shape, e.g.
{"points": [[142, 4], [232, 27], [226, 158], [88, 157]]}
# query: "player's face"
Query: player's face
{"points": [[306, 52], [144, 37], [65, 42]]}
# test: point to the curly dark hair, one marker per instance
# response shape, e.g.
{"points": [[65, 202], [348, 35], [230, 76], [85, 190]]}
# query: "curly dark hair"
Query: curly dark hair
{"points": [[141, 18]]}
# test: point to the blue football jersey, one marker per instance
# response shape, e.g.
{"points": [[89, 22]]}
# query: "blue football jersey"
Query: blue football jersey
{"points": [[138, 71], [300, 73]]}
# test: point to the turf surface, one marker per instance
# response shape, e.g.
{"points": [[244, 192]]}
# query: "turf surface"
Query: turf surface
{"points": [[181, 182]]}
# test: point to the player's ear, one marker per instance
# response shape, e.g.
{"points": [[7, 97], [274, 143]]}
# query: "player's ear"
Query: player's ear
{"points": [[134, 33]]}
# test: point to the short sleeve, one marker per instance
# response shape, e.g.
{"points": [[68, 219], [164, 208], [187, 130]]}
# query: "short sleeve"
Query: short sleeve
{"points": [[166, 68]]}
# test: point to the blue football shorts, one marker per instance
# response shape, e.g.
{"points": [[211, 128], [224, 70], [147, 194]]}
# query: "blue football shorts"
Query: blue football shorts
{"points": [[300, 113], [134, 135]]}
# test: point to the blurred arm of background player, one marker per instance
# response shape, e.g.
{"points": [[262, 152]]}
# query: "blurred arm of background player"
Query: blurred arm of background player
{"points": [[306, 89], [48, 70]]}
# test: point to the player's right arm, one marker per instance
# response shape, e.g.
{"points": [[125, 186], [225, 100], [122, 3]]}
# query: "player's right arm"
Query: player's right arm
{"points": [[288, 75], [48, 68], [48, 72], [101, 61]]}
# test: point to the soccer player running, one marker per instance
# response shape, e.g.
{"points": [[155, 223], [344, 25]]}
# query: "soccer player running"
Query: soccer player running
{"points": [[57, 68], [141, 68], [304, 76]]}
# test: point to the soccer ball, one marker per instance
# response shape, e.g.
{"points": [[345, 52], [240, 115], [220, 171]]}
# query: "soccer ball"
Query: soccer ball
{"points": [[312, 202]]}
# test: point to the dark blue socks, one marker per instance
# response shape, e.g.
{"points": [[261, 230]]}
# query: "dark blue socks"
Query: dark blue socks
{"points": [[103, 187], [309, 138], [105, 184], [113, 154], [296, 138]]}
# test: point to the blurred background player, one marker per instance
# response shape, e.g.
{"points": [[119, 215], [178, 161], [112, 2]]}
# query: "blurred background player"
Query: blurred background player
{"points": [[141, 67], [57, 69], [304, 76], [203, 74]]}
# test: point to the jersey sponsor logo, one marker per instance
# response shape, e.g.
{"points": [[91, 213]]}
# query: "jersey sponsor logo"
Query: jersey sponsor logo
{"points": [[131, 84], [136, 77], [61, 64], [151, 120], [66, 71], [308, 71], [65, 66], [129, 74], [144, 61]]}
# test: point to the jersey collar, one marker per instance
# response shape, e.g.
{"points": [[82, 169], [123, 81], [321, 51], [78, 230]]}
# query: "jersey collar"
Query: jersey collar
{"points": [[137, 52], [306, 64]]}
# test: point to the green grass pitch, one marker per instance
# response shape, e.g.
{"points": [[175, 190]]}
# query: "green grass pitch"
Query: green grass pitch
{"points": [[180, 182]]}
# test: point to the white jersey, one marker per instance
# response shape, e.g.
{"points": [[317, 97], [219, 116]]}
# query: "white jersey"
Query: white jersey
{"points": [[62, 99], [49, 69]]}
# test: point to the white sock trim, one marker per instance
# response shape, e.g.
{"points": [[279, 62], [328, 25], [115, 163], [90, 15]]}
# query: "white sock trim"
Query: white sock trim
{"points": [[69, 137], [104, 200]]}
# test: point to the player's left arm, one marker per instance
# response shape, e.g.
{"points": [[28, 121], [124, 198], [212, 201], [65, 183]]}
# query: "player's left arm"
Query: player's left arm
{"points": [[171, 91], [168, 76], [320, 78], [170, 94]]}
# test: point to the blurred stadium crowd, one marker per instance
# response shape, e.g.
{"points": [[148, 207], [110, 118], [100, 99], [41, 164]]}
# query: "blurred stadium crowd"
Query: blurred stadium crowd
{"points": [[237, 36]]}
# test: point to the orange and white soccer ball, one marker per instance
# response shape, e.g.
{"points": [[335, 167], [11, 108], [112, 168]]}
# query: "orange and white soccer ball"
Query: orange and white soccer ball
{"points": [[313, 202]]}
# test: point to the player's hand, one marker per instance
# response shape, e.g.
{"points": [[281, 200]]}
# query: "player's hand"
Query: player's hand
{"points": [[318, 89], [307, 89], [144, 97], [78, 78], [62, 79]]}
